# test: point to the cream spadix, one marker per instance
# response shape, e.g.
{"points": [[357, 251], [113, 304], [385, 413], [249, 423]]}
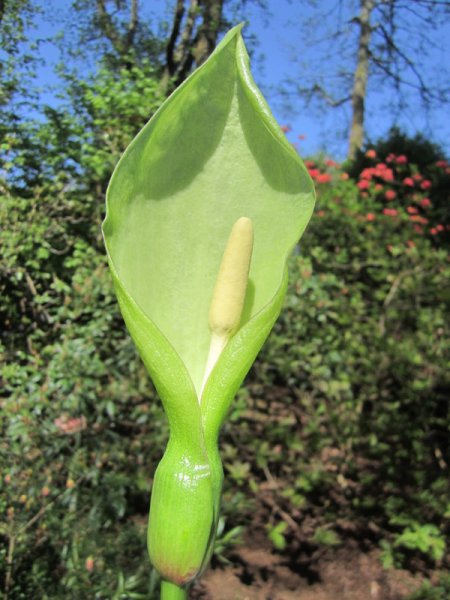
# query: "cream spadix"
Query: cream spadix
{"points": [[228, 298]]}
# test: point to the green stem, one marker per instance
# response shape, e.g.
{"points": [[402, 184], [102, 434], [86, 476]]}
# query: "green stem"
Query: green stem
{"points": [[170, 591]]}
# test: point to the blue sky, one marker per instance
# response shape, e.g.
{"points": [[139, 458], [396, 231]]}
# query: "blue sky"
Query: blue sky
{"points": [[281, 53]]}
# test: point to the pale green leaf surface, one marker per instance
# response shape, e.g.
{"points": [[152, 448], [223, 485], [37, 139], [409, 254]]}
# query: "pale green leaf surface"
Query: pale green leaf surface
{"points": [[211, 154]]}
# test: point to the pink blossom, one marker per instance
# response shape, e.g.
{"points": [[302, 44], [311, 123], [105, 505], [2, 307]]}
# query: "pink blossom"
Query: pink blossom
{"points": [[370, 217], [367, 173], [425, 202], [363, 185], [442, 164], [378, 187], [323, 178], [89, 564], [426, 184], [417, 177], [371, 153], [390, 195], [69, 425], [412, 210], [409, 181], [401, 160], [314, 173], [418, 219], [309, 164], [386, 174], [390, 212]]}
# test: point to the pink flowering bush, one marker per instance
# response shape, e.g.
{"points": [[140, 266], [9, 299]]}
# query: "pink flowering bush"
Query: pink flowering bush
{"points": [[413, 174], [391, 184]]}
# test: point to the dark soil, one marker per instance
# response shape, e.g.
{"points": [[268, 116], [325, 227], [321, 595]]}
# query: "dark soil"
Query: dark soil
{"points": [[346, 573]]}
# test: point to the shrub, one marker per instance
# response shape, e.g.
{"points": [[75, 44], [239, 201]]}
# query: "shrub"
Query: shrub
{"points": [[343, 419], [411, 175]]}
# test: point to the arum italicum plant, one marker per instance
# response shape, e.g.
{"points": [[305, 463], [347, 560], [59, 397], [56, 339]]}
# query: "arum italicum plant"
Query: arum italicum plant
{"points": [[203, 211]]}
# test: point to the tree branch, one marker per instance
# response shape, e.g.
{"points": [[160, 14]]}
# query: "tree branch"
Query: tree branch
{"points": [[206, 37], [106, 24], [320, 91], [183, 52], [170, 48], [390, 42], [132, 26]]}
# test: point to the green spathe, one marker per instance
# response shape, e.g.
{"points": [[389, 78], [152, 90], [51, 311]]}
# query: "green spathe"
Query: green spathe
{"points": [[213, 153]]}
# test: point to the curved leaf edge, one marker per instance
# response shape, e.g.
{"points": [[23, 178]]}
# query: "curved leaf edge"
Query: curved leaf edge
{"points": [[261, 106]]}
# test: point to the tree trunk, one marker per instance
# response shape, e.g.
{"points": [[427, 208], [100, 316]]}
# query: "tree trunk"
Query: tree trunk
{"points": [[190, 43], [208, 30], [360, 78]]}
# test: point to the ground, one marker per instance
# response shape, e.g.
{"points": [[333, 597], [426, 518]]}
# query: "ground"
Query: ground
{"points": [[346, 573]]}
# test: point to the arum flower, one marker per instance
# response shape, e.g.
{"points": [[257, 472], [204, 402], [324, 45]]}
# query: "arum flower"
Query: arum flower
{"points": [[203, 211]]}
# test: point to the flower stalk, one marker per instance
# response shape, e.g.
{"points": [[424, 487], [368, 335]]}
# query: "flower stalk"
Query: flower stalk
{"points": [[170, 591]]}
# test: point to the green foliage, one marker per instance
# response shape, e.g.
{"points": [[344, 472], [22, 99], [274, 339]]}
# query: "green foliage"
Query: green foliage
{"points": [[276, 535], [359, 360], [343, 420], [426, 538], [16, 55], [226, 540], [326, 537], [428, 591]]}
